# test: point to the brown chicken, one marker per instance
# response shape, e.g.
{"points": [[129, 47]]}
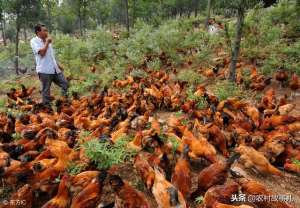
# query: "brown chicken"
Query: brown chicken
{"points": [[215, 134], [62, 198], [127, 196], [22, 93], [181, 177], [253, 113], [252, 187], [165, 194], [82, 179], [282, 77], [221, 205], [254, 159], [91, 194], [200, 147], [277, 120], [294, 84], [268, 101], [22, 198], [145, 170], [292, 166], [215, 174], [220, 193]]}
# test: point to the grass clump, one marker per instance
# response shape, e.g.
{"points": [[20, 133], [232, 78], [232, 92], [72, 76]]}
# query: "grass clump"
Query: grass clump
{"points": [[226, 89], [199, 200], [74, 168], [200, 101], [16, 136], [296, 162], [104, 154], [190, 76]]}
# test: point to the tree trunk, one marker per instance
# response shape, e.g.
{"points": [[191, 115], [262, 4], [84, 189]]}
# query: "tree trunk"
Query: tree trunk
{"points": [[127, 16], [25, 34], [80, 19], [49, 15], [196, 11], [3, 31], [133, 12], [237, 44], [17, 46], [298, 7], [208, 13]]}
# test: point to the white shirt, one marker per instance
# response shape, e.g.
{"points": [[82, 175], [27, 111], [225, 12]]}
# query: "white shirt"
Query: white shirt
{"points": [[46, 64]]}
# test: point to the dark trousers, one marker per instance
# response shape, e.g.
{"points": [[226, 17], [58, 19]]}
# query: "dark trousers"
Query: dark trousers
{"points": [[46, 81]]}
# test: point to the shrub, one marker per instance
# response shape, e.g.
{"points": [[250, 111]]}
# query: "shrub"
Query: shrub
{"points": [[105, 154], [74, 168], [226, 89], [190, 76]]}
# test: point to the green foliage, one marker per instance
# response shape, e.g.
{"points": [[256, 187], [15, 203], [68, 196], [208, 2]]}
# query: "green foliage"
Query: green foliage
{"points": [[74, 168], [16, 136], [269, 36], [190, 76], [138, 73], [296, 162], [175, 144], [199, 200], [200, 101], [179, 113], [226, 89], [104, 154], [2, 103]]}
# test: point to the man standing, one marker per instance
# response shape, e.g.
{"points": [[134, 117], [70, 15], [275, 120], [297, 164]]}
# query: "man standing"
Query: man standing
{"points": [[46, 66]]}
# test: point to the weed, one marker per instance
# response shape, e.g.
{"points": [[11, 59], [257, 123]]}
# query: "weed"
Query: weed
{"points": [[296, 162], [226, 89], [75, 168], [105, 154], [175, 144], [16, 136], [199, 200], [190, 76], [179, 113], [200, 101]]}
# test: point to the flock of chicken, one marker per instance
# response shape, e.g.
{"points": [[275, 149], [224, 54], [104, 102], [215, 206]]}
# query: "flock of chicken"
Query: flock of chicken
{"points": [[261, 137]]}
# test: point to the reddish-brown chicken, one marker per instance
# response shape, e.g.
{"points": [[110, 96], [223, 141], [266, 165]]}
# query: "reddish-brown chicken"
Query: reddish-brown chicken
{"points": [[251, 187], [215, 174], [181, 177], [62, 198], [145, 170], [220, 193], [282, 77], [294, 84], [252, 158], [221, 205], [165, 194], [127, 196], [22, 198], [91, 194]]}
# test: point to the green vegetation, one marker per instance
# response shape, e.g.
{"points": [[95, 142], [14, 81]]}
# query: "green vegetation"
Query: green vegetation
{"points": [[296, 162], [200, 101], [226, 89], [16, 136], [105, 154], [199, 200], [190, 77], [75, 168]]}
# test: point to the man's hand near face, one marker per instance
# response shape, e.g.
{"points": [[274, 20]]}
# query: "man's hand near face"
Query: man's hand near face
{"points": [[49, 40], [43, 51]]}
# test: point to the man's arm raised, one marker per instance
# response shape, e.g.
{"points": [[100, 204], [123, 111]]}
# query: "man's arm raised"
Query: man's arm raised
{"points": [[43, 51]]}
